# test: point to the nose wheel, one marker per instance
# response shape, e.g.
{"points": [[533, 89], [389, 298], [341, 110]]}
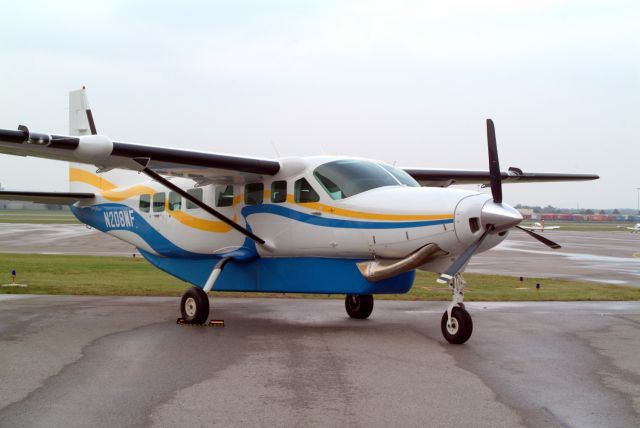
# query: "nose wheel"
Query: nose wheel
{"points": [[456, 329], [456, 323]]}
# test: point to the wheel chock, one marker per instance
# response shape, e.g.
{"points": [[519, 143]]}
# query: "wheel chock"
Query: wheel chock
{"points": [[212, 323]]}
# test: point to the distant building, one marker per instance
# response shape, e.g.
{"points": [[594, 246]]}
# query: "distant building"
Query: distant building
{"points": [[527, 213]]}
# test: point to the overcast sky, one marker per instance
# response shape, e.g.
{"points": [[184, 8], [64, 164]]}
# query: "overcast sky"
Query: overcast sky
{"points": [[409, 82]]}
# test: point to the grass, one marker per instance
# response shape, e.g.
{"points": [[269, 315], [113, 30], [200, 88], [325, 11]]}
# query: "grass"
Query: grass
{"points": [[37, 217], [123, 276]]}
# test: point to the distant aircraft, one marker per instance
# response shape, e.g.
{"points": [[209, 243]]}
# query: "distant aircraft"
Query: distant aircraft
{"points": [[540, 227], [329, 225], [635, 228]]}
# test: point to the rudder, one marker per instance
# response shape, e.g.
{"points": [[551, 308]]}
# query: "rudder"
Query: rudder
{"points": [[84, 177]]}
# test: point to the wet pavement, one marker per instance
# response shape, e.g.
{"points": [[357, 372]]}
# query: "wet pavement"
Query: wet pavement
{"points": [[606, 257], [95, 361]]}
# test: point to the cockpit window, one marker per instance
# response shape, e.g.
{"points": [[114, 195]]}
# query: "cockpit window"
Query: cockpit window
{"points": [[401, 176], [344, 178]]}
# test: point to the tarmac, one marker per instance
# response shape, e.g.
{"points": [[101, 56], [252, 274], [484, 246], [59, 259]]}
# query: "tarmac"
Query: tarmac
{"points": [[605, 257], [72, 361], [123, 361]]}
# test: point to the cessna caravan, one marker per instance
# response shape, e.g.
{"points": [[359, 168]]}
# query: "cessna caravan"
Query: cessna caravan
{"points": [[322, 224]]}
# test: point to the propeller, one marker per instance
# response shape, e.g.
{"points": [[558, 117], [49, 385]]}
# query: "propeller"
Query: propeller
{"points": [[548, 242], [496, 216], [494, 164], [459, 263]]}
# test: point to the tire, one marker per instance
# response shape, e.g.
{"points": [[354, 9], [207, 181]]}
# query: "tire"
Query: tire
{"points": [[194, 306], [359, 306], [462, 326]]}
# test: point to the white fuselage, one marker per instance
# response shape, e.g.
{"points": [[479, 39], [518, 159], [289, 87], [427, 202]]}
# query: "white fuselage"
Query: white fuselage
{"points": [[386, 222]]}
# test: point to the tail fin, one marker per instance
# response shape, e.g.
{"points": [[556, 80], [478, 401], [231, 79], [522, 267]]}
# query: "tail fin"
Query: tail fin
{"points": [[83, 177], [80, 116]]}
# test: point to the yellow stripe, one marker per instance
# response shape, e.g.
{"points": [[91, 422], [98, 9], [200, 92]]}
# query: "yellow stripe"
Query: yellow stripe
{"points": [[200, 223], [109, 192], [76, 174], [94, 180], [370, 216], [121, 195]]}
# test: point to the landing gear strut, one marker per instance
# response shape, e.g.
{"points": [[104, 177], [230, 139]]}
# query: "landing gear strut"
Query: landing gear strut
{"points": [[456, 324], [194, 305], [359, 306]]}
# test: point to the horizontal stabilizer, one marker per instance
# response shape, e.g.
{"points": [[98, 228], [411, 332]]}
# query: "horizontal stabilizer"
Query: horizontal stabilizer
{"points": [[60, 198]]}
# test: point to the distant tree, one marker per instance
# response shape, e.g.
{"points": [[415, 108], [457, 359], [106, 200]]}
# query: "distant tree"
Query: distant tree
{"points": [[589, 211], [549, 209], [602, 212], [616, 212]]}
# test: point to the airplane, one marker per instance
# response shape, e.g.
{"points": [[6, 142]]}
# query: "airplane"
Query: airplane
{"points": [[320, 224], [540, 227], [635, 228]]}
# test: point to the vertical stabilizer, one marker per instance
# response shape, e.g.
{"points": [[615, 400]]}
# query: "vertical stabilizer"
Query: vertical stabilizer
{"points": [[83, 177], [80, 116]]}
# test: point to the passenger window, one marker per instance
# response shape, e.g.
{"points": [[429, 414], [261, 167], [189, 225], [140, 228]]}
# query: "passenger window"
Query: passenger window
{"points": [[253, 193], [224, 196], [175, 201], [196, 192], [145, 203], [303, 192], [158, 202], [279, 191]]}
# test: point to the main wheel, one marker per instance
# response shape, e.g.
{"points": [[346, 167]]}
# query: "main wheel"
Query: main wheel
{"points": [[359, 306], [461, 326], [194, 306]]}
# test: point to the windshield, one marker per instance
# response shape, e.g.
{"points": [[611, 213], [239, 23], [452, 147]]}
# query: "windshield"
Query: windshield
{"points": [[344, 178]]}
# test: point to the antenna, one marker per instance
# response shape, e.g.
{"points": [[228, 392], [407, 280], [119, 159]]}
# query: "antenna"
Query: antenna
{"points": [[275, 149]]}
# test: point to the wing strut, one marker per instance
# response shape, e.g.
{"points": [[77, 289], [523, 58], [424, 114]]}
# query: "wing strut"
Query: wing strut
{"points": [[157, 177]]}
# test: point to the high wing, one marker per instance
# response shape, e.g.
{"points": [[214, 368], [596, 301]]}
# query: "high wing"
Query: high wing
{"points": [[85, 146], [447, 177], [106, 154], [61, 198], [207, 167]]}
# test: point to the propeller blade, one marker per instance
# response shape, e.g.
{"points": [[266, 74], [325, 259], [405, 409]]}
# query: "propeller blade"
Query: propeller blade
{"points": [[549, 243], [459, 263], [494, 164]]}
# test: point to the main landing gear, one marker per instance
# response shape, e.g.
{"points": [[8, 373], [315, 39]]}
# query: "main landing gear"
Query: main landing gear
{"points": [[456, 324], [194, 306], [359, 306]]}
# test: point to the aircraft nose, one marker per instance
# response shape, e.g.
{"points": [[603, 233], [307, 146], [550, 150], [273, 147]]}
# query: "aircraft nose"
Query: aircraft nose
{"points": [[501, 216]]}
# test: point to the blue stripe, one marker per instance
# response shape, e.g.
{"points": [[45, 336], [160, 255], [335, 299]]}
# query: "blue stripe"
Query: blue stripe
{"points": [[283, 211], [94, 216]]}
